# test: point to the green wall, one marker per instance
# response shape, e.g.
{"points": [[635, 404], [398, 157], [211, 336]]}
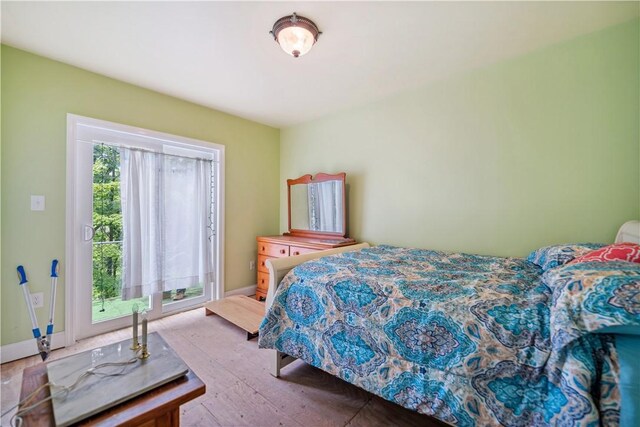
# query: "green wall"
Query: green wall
{"points": [[540, 149], [37, 94]]}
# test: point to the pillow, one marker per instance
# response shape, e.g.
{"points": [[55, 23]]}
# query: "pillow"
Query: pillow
{"points": [[616, 252], [592, 297], [556, 255]]}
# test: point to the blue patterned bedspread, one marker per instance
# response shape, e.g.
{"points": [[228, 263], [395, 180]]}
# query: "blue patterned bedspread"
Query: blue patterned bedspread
{"points": [[463, 338]]}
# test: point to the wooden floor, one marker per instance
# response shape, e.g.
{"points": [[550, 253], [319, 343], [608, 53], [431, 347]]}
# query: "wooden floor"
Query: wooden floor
{"points": [[240, 390]]}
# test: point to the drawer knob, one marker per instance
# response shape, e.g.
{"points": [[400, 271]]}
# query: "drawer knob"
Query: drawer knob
{"points": [[262, 281], [262, 263], [263, 248], [296, 253], [282, 251]]}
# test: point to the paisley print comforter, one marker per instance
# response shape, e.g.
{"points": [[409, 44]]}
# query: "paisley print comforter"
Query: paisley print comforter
{"points": [[463, 338]]}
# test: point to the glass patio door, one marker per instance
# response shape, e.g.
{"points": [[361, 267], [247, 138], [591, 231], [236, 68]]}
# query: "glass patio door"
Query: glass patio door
{"points": [[98, 241]]}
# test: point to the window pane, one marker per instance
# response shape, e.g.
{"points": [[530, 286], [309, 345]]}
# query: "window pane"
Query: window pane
{"points": [[106, 301], [182, 294], [112, 308]]}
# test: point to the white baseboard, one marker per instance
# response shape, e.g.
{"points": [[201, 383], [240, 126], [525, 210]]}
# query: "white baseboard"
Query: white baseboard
{"points": [[18, 350], [247, 290]]}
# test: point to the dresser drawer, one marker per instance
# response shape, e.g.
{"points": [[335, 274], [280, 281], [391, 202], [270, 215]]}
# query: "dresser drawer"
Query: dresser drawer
{"points": [[273, 249], [263, 282], [262, 259], [297, 250]]}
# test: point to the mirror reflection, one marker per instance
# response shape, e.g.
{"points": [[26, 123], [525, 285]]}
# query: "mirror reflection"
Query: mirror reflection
{"points": [[318, 206]]}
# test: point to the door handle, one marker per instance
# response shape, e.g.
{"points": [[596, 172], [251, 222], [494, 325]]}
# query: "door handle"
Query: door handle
{"points": [[89, 232]]}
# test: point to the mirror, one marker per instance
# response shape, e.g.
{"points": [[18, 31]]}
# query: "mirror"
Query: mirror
{"points": [[317, 205]]}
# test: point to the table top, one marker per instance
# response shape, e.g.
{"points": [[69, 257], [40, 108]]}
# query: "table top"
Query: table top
{"points": [[109, 385], [312, 242], [132, 412]]}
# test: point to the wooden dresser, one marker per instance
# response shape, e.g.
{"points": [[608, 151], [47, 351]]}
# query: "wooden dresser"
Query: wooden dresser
{"points": [[285, 246]]}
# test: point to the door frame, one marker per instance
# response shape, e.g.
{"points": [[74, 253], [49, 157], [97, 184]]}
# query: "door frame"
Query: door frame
{"points": [[73, 232]]}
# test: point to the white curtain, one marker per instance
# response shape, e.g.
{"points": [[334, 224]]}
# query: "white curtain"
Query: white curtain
{"points": [[325, 206], [166, 215]]}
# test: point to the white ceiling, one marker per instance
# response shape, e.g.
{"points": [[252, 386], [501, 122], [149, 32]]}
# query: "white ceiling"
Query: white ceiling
{"points": [[219, 54]]}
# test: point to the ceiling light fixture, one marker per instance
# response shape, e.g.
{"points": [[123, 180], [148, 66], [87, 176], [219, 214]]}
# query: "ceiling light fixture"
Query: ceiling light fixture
{"points": [[295, 34]]}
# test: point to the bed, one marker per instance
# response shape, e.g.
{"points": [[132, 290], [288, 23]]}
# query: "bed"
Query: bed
{"points": [[467, 339]]}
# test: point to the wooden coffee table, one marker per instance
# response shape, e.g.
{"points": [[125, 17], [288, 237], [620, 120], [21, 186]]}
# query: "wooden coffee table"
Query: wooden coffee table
{"points": [[158, 407], [244, 312]]}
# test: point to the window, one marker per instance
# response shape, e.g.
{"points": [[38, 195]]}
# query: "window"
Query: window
{"points": [[144, 223]]}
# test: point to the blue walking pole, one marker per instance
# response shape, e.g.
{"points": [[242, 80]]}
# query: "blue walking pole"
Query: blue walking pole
{"points": [[52, 303], [43, 344]]}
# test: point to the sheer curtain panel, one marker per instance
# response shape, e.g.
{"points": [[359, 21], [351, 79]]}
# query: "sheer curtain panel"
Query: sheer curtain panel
{"points": [[166, 210]]}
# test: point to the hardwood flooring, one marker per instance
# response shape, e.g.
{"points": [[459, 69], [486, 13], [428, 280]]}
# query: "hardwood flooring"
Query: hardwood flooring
{"points": [[240, 390]]}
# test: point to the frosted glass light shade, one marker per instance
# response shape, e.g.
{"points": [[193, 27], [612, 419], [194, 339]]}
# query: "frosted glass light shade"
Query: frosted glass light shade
{"points": [[296, 41], [295, 34]]}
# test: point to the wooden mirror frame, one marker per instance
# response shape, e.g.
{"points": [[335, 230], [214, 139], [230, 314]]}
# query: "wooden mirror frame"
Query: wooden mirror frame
{"points": [[309, 179]]}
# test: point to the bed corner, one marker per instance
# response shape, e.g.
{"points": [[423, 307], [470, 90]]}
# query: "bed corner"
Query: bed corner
{"points": [[278, 268]]}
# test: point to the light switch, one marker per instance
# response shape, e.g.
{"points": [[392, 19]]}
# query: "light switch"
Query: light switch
{"points": [[37, 203]]}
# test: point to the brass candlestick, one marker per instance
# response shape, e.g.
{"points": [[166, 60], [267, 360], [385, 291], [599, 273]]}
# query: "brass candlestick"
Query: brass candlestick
{"points": [[144, 353]]}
